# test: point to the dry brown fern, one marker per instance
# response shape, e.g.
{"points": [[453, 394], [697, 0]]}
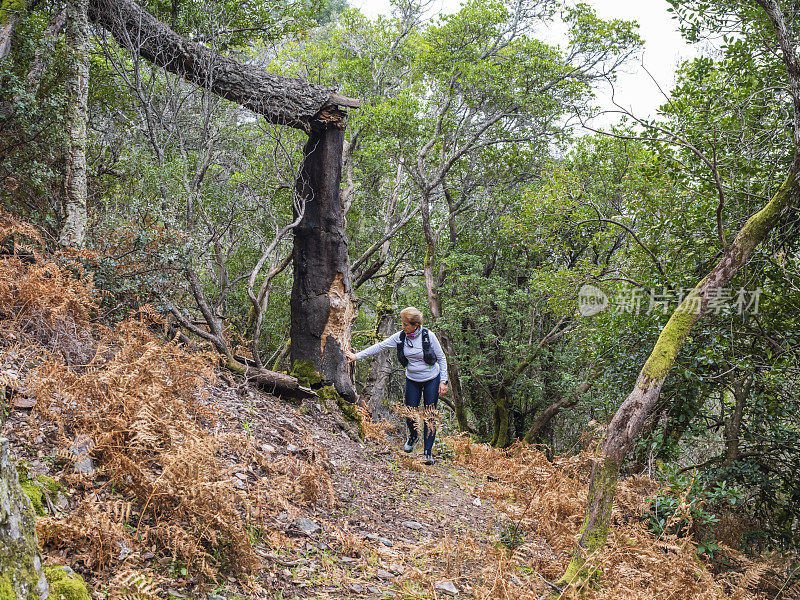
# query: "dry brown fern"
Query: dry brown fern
{"points": [[134, 585], [373, 430], [139, 406]]}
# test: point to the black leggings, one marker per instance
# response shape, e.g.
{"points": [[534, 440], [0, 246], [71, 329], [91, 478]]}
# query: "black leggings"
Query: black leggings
{"points": [[429, 391]]}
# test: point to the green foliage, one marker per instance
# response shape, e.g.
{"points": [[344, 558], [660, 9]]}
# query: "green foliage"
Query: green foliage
{"points": [[234, 25], [512, 536], [10, 9], [466, 110], [683, 506]]}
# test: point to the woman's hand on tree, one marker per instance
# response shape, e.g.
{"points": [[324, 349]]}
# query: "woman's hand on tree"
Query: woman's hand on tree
{"points": [[351, 356]]}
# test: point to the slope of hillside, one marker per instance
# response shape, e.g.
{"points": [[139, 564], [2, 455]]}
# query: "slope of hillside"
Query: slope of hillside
{"points": [[156, 475]]}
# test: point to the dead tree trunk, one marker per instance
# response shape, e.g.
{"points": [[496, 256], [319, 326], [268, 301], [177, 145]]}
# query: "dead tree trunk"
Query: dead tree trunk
{"points": [[282, 100], [322, 306]]}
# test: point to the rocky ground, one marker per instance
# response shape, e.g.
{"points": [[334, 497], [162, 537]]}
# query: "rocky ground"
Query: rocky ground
{"points": [[383, 525]]}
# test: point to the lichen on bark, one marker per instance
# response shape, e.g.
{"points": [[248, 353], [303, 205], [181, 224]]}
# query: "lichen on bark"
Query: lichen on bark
{"points": [[597, 522]]}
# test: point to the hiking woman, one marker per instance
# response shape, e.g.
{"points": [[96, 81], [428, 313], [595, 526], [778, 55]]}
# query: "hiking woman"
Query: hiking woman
{"points": [[419, 351]]}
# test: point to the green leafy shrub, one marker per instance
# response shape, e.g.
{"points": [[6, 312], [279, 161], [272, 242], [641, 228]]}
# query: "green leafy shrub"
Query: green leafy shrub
{"points": [[685, 507]]}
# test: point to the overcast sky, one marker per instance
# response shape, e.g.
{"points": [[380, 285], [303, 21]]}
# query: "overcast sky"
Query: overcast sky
{"points": [[664, 49]]}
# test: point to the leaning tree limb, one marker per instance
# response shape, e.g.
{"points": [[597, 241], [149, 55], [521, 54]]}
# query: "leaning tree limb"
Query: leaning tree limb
{"points": [[639, 405], [282, 100], [541, 423], [631, 416]]}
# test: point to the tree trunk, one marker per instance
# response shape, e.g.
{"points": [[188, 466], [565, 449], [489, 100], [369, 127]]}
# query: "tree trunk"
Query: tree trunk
{"points": [[638, 406], [73, 201], [455, 382], [21, 575], [741, 391], [278, 384], [322, 304], [502, 419], [10, 12], [381, 369], [544, 419]]}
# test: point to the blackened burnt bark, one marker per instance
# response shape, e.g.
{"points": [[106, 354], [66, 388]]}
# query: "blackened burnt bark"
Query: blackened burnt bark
{"points": [[322, 306]]}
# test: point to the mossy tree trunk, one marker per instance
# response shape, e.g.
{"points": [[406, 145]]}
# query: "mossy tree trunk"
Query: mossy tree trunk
{"points": [[629, 419], [10, 12], [502, 418], [638, 406], [21, 573]]}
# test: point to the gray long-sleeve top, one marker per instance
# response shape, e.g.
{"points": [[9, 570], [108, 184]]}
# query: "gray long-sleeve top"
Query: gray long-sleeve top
{"points": [[416, 370]]}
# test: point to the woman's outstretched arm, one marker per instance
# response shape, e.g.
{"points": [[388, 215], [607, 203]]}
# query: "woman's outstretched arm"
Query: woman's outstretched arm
{"points": [[390, 342]]}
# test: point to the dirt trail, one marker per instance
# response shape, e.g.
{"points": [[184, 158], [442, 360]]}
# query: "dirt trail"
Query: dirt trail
{"points": [[388, 517]]}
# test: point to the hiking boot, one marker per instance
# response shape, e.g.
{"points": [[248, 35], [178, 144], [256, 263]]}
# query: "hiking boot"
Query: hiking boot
{"points": [[428, 460], [410, 441]]}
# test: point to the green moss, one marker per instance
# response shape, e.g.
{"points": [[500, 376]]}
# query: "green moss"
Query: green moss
{"points": [[594, 532], [683, 319], [671, 338], [306, 374], [6, 590], [329, 396], [19, 569], [34, 492], [62, 585], [757, 226], [50, 484]]}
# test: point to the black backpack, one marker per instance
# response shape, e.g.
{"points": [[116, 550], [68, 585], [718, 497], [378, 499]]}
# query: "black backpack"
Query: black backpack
{"points": [[427, 354]]}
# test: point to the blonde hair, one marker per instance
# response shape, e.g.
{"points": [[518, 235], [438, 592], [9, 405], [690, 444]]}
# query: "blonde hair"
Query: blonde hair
{"points": [[411, 316]]}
